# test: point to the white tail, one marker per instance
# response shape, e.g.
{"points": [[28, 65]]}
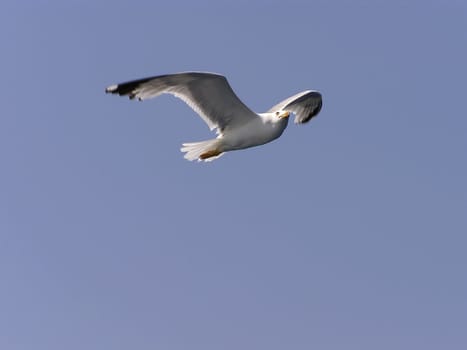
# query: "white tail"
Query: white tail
{"points": [[204, 150]]}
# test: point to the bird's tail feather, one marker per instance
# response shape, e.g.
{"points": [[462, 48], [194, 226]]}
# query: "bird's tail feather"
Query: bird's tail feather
{"points": [[204, 150]]}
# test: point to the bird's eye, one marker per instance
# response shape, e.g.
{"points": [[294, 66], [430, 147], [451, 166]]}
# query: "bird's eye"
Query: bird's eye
{"points": [[277, 113]]}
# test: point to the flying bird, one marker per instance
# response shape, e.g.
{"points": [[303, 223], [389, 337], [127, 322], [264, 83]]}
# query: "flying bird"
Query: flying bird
{"points": [[211, 96]]}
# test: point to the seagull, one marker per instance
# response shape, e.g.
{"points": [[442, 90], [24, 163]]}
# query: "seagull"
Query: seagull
{"points": [[210, 95]]}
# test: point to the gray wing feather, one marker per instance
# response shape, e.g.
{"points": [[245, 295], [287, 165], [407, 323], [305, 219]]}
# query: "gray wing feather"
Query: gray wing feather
{"points": [[208, 94], [305, 105]]}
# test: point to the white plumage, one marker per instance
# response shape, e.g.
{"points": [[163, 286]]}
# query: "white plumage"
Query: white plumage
{"points": [[211, 96]]}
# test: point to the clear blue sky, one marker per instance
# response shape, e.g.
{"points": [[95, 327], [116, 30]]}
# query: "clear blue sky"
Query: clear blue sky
{"points": [[346, 233]]}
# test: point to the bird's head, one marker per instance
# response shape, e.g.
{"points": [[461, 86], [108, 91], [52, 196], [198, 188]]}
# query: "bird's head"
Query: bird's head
{"points": [[282, 114], [276, 117]]}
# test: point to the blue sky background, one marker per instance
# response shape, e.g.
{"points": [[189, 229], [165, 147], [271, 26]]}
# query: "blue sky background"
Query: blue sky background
{"points": [[346, 233]]}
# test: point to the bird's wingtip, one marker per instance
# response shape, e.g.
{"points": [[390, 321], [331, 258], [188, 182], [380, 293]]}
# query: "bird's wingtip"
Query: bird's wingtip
{"points": [[111, 89]]}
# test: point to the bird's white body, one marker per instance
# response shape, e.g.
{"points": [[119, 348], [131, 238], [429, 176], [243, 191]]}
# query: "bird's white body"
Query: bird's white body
{"points": [[211, 96], [257, 132]]}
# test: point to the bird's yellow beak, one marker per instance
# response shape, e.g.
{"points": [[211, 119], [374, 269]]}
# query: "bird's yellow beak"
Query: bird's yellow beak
{"points": [[284, 114]]}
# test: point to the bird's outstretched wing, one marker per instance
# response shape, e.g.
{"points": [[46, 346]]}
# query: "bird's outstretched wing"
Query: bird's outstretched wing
{"points": [[208, 94], [305, 105]]}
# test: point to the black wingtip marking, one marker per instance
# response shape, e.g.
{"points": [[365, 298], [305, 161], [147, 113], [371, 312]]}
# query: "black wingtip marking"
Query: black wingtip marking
{"points": [[128, 88], [315, 111]]}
